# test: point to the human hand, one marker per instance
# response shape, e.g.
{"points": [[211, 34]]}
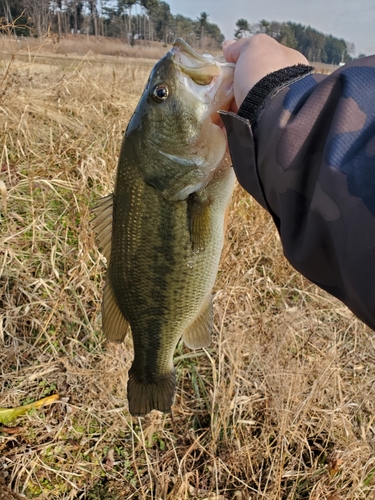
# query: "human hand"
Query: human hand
{"points": [[255, 58]]}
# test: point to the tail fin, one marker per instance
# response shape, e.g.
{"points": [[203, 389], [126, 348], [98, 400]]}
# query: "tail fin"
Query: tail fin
{"points": [[144, 396]]}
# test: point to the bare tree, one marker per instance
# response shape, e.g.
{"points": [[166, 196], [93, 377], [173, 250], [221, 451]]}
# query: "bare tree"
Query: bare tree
{"points": [[126, 5], [94, 16], [151, 6], [40, 12]]}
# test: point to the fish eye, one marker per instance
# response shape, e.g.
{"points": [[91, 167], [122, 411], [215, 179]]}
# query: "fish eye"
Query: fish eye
{"points": [[160, 93]]}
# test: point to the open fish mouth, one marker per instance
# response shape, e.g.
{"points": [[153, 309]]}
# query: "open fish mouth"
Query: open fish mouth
{"points": [[200, 68], [208, 78]]}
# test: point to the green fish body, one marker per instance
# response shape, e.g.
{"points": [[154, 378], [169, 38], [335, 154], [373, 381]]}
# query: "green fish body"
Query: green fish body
{"points": [[162, 230]]}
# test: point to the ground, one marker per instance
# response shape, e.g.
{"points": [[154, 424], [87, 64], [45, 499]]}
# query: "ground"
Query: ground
{"points": [[280, 406]]}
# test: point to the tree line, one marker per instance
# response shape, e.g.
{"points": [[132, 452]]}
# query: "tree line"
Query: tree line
{"points": [[128, 19], [134, 20], [313, 44]]}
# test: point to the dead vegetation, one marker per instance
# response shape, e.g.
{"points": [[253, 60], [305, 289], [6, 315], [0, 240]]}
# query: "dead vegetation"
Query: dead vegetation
{"points": [[81, 45], [324, 68], [280, 407]]}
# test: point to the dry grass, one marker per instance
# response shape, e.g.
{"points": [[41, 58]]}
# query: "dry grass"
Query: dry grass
{"points": [[324, 68], [281, 406], [82, 45]]}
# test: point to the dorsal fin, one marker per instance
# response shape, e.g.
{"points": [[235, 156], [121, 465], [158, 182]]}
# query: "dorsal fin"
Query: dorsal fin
{"points": [[102, 224], [198, 334], [115, 326]]}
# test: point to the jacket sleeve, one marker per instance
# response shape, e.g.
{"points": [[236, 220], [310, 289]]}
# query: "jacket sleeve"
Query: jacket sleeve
{"points": [[303, 145]]}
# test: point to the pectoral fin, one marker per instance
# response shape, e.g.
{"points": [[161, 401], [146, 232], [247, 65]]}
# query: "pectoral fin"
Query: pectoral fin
{"points": [[115, 326], [198, 334], [199, 216], [102, 224]]}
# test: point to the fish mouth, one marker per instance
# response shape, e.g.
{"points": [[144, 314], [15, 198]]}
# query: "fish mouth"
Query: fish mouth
{"points": [[184, 47], [201, 68], [208, 78]]}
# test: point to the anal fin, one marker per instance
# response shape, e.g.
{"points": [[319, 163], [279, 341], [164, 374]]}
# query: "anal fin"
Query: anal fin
{"points": [[115, 326], [145, 396], [198, 334]]}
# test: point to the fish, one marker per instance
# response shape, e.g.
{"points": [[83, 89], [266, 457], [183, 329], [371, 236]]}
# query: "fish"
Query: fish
{"points": [[162, 229]]}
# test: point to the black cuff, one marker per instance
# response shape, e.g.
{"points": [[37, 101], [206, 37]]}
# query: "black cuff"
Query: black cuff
{"points": [[267, 87]]}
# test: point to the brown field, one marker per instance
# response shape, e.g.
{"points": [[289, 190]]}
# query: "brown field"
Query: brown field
{"points": [[324, 68], [280, 407], [82, 45]]}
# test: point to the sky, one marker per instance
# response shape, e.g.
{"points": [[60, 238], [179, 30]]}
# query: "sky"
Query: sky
{"points": [[354, 21]]}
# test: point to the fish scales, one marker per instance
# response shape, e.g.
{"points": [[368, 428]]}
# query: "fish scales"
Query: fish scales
{"points": [[161, 281], [167, 230]]}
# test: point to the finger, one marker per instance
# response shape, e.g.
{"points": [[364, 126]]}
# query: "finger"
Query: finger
{"points": [[227, 43], [234, 107], [225, 48], [233, 48], [223, 129]]}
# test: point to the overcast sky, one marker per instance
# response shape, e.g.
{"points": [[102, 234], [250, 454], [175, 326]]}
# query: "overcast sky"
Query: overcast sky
{"points": [[354, 21]]}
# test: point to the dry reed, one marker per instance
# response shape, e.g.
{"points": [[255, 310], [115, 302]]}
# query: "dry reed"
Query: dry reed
{"points": [[280, 407], [81, 45]]}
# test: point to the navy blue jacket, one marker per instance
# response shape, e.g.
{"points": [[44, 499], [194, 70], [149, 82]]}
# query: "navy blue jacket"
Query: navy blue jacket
{"points": [[303, 145]]}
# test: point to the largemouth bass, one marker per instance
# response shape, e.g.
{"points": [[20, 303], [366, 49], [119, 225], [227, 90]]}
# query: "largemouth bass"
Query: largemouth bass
{"points": [[162, 230]]}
